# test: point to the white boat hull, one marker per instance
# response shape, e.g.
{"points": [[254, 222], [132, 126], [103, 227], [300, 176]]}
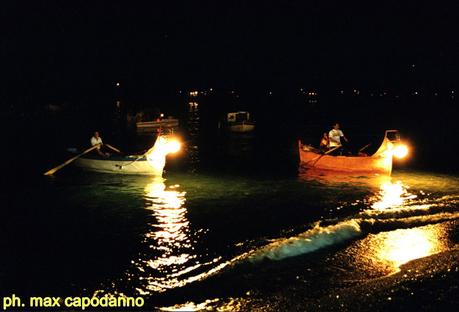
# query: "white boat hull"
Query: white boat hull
{"points": [[128, 166], [151, 163]]}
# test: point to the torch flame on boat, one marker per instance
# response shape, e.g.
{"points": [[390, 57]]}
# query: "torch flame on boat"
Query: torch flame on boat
{"points": [[400, 151], [164, 145], [397, 149]]}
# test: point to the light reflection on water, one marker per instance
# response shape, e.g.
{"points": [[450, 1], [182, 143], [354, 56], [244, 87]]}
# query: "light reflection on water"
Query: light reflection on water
{"points": [[331, 178], [168, 237], [172, 259], [396, 247], [191, 306], [401, 246], [392, 206], [391, 195], [174, 252], [170, 233]]}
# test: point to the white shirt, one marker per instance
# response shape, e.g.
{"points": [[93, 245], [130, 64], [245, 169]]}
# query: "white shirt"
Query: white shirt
{"points": [[335, 137], [95, 141]]}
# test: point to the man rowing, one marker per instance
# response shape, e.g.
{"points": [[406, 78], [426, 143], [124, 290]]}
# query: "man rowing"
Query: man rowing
{"points": [[334, 137], [97, 140]]}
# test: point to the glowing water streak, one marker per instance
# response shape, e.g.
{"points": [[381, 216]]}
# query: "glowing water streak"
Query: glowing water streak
{"points": [[400, 246], [392, 195], [170, 231], [170, 235], [392, 208], [390, 201]]}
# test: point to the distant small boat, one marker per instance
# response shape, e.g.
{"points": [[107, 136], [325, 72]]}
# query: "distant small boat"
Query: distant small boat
{"points": [[378, 163], [151, 163], [150, 127], [240, 122]]}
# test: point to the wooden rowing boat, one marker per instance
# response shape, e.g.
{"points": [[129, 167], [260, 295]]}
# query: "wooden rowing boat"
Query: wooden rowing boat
{"points": [[378, 163], [151, 163], [117, 164]]}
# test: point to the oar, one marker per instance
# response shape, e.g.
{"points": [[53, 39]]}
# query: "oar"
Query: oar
{"points": [[320, 156], [364, 147], [52, 171], [113, 148], [327, 152], [143, 155]]}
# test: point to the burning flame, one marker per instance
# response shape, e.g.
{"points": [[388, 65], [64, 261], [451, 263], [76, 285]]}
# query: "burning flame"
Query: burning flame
{"points": [[172, 146], [400, 151], [157, 155]]}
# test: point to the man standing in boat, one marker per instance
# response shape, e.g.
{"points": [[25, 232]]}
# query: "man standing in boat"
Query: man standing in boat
{"points": [[334, 137], [97, 140]]}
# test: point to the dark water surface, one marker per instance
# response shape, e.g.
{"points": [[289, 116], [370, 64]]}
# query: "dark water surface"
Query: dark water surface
{"points": [[220, 240], [230, 226]]}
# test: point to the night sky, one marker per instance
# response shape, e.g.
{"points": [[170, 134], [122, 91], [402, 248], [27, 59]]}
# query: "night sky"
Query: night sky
{"points": [[82, 46]]}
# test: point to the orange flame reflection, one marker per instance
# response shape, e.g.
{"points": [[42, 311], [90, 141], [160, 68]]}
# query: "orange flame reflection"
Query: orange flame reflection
{"points": [[394, 248], [391, 195], [401, 246]]}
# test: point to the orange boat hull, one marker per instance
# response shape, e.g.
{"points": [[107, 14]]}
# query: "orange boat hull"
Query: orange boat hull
{"points": [[376, 164]]}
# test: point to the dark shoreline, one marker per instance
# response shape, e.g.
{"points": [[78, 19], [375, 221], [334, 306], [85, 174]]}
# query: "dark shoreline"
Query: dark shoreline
{"points": [[425, 284]]}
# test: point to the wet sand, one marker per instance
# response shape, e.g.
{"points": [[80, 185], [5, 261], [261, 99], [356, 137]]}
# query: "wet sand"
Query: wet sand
{"points": [[426, 284]]}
